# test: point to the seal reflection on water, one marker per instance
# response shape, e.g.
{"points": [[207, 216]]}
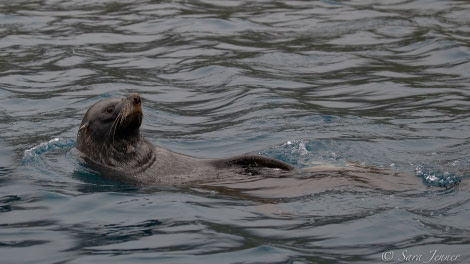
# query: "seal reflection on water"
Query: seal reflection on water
{"points": [[110, 138]]}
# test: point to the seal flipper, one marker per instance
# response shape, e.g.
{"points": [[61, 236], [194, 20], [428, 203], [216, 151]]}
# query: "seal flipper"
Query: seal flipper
{"points": [[253, 162]]}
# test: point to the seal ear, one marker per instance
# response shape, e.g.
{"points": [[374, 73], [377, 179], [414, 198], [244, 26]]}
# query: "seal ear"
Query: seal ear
{"points": [[83, 127]]}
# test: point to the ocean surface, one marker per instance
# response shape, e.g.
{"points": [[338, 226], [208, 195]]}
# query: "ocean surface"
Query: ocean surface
{"points": [[383, 86]]}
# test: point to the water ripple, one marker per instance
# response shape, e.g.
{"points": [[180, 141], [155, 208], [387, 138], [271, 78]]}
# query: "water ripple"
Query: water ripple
{"points": [[377, 84]]}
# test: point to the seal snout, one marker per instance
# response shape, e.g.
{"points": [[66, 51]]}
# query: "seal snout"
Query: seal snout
{"points": [[133, 105], [135, 98], [130, 117]]}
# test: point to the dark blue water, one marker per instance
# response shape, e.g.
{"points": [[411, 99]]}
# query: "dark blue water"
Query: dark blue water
{"points": [[382, 85]]}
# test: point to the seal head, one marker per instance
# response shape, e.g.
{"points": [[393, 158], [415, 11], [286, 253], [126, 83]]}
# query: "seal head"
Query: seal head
{"points": [[110, 134]]}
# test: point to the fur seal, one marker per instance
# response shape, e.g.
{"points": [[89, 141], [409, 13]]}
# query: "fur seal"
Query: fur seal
{"points": [[110, 140]]}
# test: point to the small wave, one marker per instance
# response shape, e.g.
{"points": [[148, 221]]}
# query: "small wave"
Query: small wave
{"points": [[296, 152], [437, 178], [32, 154], [56, 163]]}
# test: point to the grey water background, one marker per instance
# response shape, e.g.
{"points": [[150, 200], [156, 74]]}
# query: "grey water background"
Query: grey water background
{"points": [[377, 83]]}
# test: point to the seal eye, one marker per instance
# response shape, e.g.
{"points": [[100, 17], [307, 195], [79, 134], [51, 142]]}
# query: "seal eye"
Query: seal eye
{"points": [[109, 110]]}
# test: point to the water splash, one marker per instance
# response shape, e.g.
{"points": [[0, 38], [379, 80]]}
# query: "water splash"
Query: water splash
{"points": [[302, 153], [435, 177], [33, 154], [314, 153], [56, 163]]}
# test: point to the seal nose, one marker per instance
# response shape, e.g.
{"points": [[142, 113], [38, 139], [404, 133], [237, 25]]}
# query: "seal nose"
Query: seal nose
{"points": [[135, 98]]}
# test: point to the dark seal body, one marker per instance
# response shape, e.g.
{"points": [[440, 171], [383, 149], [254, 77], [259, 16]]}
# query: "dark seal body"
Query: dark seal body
{"points": [[110, 139]]}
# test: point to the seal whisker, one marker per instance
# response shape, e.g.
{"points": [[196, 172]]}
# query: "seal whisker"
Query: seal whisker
{"points": [[119, 120]]}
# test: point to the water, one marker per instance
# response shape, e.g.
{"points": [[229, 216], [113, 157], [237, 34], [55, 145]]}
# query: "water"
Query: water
{"points": [[378, 84]]}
